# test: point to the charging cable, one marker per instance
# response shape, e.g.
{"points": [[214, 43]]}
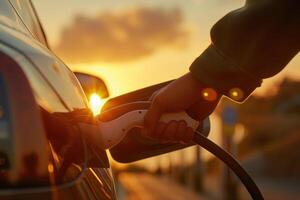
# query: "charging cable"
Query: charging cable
{"points": [[232, 163]]}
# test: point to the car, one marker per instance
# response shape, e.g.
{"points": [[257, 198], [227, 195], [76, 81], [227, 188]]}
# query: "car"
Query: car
{"points": [[42, 157], [44, 154]]}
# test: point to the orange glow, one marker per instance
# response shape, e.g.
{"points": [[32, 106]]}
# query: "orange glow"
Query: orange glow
{"points": [[209, 94], [205, 94], [236, 94], [50, 168], [96, 103]]}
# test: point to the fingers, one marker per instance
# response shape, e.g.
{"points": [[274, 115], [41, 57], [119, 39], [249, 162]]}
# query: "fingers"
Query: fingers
{"points": [[158, 131], [174, 131], [170, 131], [182, 126]]}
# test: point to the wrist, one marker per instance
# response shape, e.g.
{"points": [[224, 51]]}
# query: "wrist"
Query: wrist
{"points": [[220, 72], [206, 91]]}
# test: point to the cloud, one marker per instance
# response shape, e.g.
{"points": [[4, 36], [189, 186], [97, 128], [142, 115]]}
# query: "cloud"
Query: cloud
{"points": [[122, 36]]}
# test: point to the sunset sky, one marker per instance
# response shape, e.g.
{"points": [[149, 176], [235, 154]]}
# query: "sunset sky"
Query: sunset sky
{"points": [[134, 43]]}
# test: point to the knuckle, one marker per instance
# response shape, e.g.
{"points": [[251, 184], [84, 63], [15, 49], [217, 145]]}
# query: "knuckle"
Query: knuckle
{"points": [[182, 123]]}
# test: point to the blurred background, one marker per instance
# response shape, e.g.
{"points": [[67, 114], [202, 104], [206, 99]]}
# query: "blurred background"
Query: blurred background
{"points": [[131, 44]]}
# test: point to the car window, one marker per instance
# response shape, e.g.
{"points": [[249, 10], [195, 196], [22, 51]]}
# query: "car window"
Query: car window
{"points": [[27, 13], [9, 17]]}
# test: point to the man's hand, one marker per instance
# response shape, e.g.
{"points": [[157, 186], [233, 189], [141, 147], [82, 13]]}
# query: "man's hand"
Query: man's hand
{"points": [[184, 94]]}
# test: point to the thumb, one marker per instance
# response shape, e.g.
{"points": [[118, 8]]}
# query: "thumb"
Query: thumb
{"points": [[151, 118]]}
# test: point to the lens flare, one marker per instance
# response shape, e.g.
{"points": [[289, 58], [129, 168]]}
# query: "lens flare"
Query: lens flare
{"points": [[96, 103], [209, 94], [236, 94]]}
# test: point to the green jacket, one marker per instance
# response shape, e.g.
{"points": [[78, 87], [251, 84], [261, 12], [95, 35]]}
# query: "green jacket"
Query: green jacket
{"points": [[248, 45]]}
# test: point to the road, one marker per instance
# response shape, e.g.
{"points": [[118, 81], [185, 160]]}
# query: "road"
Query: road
{"points": [[142, 186]]}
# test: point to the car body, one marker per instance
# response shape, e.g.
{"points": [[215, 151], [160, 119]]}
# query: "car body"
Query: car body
{"points": [[76, 169]]}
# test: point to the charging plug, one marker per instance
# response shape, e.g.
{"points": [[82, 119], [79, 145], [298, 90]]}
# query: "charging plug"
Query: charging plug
{"points": [[108, 134]]}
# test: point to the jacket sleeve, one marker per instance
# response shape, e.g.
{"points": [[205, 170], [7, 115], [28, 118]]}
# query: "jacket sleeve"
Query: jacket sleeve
{"points": [[248, 45]]}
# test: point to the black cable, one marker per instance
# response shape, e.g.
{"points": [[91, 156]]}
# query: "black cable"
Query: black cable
{"points": [[232, 163]]}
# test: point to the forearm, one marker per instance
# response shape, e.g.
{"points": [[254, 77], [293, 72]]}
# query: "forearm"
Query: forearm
{"points": [[250, 44]]}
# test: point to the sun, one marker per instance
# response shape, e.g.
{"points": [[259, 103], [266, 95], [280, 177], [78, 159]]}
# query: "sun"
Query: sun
{"points": [[96, 103]]}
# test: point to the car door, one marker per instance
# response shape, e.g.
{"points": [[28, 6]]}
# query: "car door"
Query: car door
{"points": [[57, 91]]}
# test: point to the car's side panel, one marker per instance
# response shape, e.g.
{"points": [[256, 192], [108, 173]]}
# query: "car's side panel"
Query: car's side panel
{"points": [[28, 157], [62, 93]]}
